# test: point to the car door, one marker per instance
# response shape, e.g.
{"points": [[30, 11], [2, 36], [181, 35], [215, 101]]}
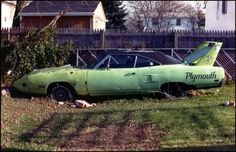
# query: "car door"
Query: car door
{"points": [[115, 75], [148, 74]]}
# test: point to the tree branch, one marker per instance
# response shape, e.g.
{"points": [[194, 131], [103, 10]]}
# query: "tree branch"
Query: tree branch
{"points": [[20, 4], [52, 23]]}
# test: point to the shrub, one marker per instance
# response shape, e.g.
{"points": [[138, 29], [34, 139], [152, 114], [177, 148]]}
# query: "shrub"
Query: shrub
{"points": [[31, 51]]}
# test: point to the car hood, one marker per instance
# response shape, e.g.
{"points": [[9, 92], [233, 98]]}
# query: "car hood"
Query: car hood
{"points": [[37, 76], [53, 69]]}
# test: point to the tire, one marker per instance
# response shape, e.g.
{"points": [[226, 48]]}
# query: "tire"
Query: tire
{"points": [[61, 93], [174, 89]]}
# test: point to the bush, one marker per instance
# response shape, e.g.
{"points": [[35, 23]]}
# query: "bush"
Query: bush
{"points": [[30, 51]]}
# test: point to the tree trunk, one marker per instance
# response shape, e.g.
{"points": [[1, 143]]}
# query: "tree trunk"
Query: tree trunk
{"points": [[20, 4]]}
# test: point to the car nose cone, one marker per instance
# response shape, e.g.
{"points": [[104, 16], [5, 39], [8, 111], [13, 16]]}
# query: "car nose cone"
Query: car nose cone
{"points": [[21, 84]]}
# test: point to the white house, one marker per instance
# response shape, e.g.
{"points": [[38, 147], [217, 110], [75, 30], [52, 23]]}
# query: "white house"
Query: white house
{"points": [[177, 22], [220, 15], [7, 13]]}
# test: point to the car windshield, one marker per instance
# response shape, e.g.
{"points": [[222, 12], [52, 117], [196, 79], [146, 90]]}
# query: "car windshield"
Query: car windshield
{"points": [[94, 61], [89, 60]]}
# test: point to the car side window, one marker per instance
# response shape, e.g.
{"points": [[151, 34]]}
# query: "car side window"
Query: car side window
{"points": [[122, 61], [144, 62]]}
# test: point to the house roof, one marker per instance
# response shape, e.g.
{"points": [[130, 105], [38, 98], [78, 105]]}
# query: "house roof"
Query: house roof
{"points": [[49, 7]]}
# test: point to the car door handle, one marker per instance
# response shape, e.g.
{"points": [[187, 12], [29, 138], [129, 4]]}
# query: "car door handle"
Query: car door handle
{"points": [[129, 74]]}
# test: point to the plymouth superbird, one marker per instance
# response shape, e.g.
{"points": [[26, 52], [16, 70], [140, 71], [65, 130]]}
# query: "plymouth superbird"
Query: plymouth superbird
{"points": [[128, 72]]}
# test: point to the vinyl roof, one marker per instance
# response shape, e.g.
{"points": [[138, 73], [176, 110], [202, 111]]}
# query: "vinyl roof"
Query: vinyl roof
{"points": [[154, 55]]}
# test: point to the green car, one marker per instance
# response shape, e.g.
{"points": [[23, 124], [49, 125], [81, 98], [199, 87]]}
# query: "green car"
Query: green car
{"points": [[128, 72]]}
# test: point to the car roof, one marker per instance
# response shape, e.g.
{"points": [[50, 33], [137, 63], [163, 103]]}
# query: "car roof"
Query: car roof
{"points": [[154, 55]]}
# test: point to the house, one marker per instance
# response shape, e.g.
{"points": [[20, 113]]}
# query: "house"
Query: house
{"points": [[79, 14], [220, 15], [7, 13], [179, 21]]}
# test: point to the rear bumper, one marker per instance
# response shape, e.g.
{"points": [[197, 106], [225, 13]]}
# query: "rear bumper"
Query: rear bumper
{"points": [[222, 82], [215, 85]]}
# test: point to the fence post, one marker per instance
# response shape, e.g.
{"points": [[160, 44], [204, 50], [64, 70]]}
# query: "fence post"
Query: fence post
{"points": [[176, 45], [172, 52], [8, 34], [77, 56], [102, 33]]}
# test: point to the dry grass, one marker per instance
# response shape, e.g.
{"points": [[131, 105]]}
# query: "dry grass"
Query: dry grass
{"points": [[135, 124]]}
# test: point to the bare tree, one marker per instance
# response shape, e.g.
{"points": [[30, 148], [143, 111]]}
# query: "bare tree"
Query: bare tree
{"points": [[143, 12], [166, 11], [20, 4], [52, 22], [139, 17], [196, 15]]}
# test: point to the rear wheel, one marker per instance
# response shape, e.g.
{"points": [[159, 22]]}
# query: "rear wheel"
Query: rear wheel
{"points": [[61, 93], [174, 89]]}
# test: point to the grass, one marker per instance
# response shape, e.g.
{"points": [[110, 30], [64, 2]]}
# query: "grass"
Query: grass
{"points": [[199, 121]]}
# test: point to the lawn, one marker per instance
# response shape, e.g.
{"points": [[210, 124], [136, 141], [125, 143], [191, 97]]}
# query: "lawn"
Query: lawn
{"points": [[194, 123]]}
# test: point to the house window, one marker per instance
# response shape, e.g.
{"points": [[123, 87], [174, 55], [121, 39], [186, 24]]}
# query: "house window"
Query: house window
{"points": [[178, 21], [154, 21], [5, 19], [224, 7]]}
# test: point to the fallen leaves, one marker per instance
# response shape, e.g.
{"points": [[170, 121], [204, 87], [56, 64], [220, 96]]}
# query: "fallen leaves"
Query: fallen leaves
{"points": [[200, 92]]}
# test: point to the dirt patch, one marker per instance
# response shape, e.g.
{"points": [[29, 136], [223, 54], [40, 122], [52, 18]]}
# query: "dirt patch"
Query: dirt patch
{"points": [[131, 136]]}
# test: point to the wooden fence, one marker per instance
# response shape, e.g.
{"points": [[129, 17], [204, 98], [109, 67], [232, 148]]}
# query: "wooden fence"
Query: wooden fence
{"points": [[85, 38]]}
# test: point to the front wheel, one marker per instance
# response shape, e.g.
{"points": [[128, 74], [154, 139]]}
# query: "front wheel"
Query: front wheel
{"points": [[61, 93]]}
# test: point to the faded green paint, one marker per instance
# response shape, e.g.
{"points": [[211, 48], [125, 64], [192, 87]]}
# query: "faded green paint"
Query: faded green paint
{"points": [[200, 74], [113, 81]]}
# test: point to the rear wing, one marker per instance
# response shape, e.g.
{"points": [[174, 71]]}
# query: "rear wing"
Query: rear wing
{"points": [[205, 54]]}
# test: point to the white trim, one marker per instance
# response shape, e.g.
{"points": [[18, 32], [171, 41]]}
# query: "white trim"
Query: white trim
{"points": [[99, 18], [56, 13]]}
